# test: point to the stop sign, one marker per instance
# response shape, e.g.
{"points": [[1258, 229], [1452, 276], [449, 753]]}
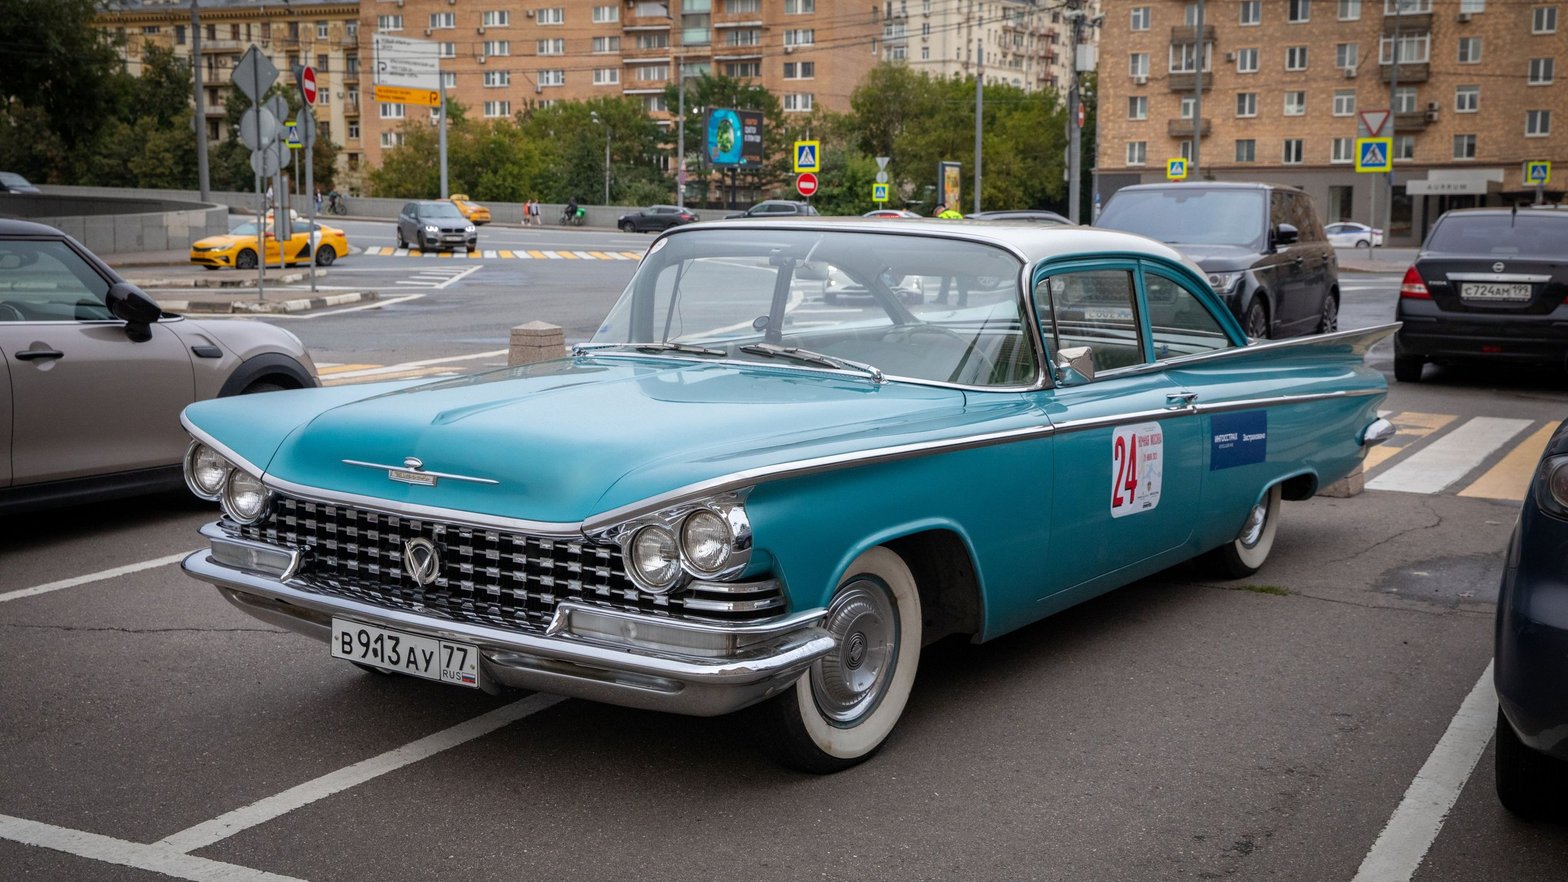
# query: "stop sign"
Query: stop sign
{"points": [[307, 84], [806, 184]]}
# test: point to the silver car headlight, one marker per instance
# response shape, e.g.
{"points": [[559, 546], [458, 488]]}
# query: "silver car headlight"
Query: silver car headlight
{"points": [[205, 471], [1224, 283], [432, 228], [706, 542], [245, 498], [655, 560], [469, 228]]}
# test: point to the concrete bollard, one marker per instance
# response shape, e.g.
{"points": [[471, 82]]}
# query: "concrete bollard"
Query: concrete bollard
{"points": [[1346, 487], [535, 341]]}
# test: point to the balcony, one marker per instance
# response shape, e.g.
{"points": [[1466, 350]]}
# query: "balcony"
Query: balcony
{"points": [[1408, 23], [1411, 121], [1408, 72], [1183, 34], [1182, 128], [222, 46], [1184, 82]]}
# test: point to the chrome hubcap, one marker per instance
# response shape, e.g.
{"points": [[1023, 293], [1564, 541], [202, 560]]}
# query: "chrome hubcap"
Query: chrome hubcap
{"points": [[848, 682], [1253, 530]]}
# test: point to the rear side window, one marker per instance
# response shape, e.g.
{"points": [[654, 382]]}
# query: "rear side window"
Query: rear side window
{"points": [[1521, 235], [1179, 323], [1094, 308]]}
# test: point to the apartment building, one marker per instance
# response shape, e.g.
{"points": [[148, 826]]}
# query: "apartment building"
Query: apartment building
{"points": [[1469, 87], [1025, 43], [323, 33], [500, 57]]}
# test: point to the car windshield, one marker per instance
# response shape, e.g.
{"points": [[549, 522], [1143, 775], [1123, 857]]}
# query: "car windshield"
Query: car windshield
{"points": [[1190, 215], [246, 229], [1521, 234], [439, 210], [915, 307]]}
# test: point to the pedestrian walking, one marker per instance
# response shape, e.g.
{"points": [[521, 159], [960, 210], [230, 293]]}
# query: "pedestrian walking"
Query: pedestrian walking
{"points": [[318, 200]]}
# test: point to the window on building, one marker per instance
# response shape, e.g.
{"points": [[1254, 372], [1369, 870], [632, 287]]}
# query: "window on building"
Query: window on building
{"points": [[391, 139], [1137, 152], [322, 31], [1406, 7], [389, 22], [653, 39], [1247, 60], [1467, 99], [391, 111], [1537, 123], [799, 7], [448, 79], [743, 37], [1184, 57], [655, 104], [498, 79], [1251, 12], [1293, 151], [1138, 64], [797, 102], [1296, 103], [1413, 49], [1298, 10], [652, 73], [1246, 103], [1344, 102], [606, 76], [1347, 55], [1405, 98], [1543, 20], [498, 108], [1189, 107], [496, 18], [1404, 147], [1472, 6], [1342, 150], [800, 37], [351, 31], [1184, 148], [1542, 71], [353, 130], [1246, 150], [556, 77], [441, 20], [734, 6], [741, 69], [1464, 146], [552, 16], [1349, 10], [1141, 18], [606, 45], [556, 46], [606, 14], [496, 47], [1295, 58], [1138, 107], [800, 70], [446, 50], [1469, 50]]}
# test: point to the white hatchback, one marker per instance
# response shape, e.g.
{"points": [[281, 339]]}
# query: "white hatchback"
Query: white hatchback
{"points": [[1347, 234]]}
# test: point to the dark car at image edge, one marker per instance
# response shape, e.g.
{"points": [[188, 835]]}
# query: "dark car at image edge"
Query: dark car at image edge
{"points": [[656, 219], [1489, 284]]}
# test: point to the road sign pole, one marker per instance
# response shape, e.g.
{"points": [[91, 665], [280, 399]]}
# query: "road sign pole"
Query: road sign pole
{"points": [[261, 216], [1372, 248], [310, 191]]}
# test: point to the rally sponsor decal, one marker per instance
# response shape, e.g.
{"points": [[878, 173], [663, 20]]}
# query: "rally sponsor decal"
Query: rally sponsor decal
{"points": [[1137, 466], [1238, 439]]}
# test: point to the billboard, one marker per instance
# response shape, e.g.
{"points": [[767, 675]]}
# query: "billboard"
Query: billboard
{"points": [[407, 71], [949, 184], [734, 137]]}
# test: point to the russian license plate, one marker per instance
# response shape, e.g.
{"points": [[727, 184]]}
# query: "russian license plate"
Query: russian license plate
{"points": [[442, 660], [1493, 291]]}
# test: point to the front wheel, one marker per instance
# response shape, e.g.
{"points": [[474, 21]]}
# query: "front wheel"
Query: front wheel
{"points": [[325, 255], [843, 708], [1256, 321], [626, 227], [1244, 555], [245, 260]]}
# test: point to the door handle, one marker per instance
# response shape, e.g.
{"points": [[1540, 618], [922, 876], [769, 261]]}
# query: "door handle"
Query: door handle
{"points": [[1179, 400], [39, 354]]}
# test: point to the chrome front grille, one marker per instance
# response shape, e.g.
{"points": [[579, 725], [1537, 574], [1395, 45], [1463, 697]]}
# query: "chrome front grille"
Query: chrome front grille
{"points": [[487, 577]]}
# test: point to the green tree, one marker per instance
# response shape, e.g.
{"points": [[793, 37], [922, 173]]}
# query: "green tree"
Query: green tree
{"points": [[57, 86]]}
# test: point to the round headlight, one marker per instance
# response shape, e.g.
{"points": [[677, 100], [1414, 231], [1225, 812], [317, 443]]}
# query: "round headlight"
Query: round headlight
{"points": [[245, 498], [205, 471], [655, 560], [1557, 482], [706, 539]]}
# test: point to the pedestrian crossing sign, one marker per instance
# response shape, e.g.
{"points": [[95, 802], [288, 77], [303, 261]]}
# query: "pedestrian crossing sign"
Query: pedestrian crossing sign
{"points": [[1537, 173], [1176, 169], [1374, 154], [808, 156], [879, 192]]}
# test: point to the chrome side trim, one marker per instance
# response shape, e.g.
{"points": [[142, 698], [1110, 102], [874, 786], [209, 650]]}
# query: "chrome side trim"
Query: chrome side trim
{"points": [[697, 604], [755, 630], [1283, 400], [1533, 278], [397, 468]]}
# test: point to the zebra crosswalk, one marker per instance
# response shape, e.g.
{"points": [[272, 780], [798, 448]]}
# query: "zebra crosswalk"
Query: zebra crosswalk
{"points": [[504, 254]]}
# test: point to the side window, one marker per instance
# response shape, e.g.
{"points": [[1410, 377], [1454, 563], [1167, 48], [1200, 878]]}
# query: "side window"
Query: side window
{"points": [[1279, 210], [1305, 218], [409, 209], [47, 281], [1094, 308], [1180, 323]]}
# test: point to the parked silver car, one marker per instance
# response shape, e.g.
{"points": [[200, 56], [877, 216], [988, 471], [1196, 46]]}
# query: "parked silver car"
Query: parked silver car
{"points": [[93, 374]]}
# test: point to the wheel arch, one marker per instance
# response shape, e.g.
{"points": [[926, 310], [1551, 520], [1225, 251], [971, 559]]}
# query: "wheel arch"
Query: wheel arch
{"points": [[271, 367], [942, 560]]}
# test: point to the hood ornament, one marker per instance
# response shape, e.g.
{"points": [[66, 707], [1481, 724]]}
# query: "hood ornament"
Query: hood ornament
{"points": [[412, 471]]}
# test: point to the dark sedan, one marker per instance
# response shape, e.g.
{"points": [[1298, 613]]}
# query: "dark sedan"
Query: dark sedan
{"points": [[1489, 283], [656, 219], [1532, 641]]}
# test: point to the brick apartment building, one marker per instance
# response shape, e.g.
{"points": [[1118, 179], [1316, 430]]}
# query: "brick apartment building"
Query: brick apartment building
{"points": [[1474, 95]]}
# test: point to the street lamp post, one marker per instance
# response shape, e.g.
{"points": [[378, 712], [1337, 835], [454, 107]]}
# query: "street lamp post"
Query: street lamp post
{"points": [[606, 125]]}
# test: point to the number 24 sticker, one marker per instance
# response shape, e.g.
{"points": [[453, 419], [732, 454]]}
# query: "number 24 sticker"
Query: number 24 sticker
{"points": [[1137, 463]]}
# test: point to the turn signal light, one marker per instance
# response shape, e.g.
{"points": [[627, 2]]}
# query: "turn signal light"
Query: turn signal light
{"points": [[1413, 286]]}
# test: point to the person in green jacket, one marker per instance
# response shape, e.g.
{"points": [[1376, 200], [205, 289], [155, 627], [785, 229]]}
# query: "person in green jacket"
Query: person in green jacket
{"points": [[946, 213]]}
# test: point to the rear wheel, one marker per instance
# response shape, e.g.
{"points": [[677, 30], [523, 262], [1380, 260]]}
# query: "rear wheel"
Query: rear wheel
{"points": [[626, 226], [1244, 555], [1328, 321], [1407, 368], [325, 255], [1363, 243], [843, 708], [1256, 321], [1528, 782], [245, 260]]}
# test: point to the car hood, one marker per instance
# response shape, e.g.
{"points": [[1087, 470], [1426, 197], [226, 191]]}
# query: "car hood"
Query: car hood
{"points": [[565, 440], [1218, 258]]}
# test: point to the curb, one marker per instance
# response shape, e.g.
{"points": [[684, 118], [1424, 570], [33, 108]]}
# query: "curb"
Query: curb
{"points": [[266, 307], [225, 281]]}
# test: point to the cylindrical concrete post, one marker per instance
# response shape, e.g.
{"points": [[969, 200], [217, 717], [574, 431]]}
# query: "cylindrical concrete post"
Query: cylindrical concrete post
{"points": [[535, 341]]}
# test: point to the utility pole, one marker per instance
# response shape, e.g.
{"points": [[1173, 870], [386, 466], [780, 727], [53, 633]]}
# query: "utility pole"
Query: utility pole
{"points": [[1197, 96], [1393, 126], [680, 134], [202, 179], [979, 108], [1075, 131]]}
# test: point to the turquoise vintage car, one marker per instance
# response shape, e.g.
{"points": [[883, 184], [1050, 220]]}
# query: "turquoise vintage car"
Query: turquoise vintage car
{"points": [[738, 493]]}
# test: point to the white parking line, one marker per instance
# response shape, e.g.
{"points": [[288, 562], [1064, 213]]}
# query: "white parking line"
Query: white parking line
{"points": [[93, 577], [260, 812], [1450, 457], [152, 858], [1403, 844]]}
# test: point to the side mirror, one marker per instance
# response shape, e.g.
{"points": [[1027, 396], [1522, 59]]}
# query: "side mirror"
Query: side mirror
{"points": [[131, 305], [1074, 366], [1285, 234]]}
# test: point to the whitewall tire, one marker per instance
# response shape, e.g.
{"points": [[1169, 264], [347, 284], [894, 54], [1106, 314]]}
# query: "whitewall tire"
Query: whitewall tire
{"points": [[1244, 555]]}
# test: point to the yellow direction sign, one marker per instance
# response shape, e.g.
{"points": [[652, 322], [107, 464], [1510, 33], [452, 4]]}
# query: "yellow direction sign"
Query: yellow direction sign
{"points": [[1537, 172], [808, 156], [1374, 154], [1176, 169], [402, 95], [879, 192]]}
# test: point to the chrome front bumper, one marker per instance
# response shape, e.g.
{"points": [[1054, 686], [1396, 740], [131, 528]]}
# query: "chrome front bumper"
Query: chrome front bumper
{"points": [[613, 666]]}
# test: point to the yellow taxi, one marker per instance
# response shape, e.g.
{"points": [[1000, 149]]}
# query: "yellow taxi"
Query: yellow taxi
{"points": [[477, 214], [238, 247]]}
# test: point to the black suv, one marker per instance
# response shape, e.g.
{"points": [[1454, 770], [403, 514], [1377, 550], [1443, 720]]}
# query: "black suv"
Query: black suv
{"points": [[435, 226], [1261, 245], [776, 208]]}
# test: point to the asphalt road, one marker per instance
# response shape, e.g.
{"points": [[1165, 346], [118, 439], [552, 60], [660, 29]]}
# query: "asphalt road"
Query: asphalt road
{"points": [[1179, 728]]}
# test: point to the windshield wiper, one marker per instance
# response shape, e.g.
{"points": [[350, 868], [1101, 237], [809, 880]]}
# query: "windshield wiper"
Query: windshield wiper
{"points": [[588, 348], [773, 350]]}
